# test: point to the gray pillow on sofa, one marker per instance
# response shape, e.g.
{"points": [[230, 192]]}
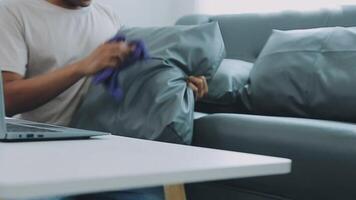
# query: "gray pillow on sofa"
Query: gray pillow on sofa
{"points": [[230, 78], [197, 50], [157, 104], [306, 73]]}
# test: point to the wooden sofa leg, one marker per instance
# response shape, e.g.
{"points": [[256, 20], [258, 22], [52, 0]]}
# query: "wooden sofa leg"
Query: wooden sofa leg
{"points": [[174, 192]]}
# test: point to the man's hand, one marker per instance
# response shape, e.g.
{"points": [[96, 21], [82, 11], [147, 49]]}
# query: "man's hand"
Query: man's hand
{"points": [[108, 55], [199, 86]]}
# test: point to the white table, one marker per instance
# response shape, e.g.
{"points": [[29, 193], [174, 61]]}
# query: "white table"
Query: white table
{"points": [[110, 163]]}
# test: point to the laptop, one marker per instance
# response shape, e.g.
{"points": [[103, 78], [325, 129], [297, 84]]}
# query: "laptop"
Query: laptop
{"points": [[20, 130]]}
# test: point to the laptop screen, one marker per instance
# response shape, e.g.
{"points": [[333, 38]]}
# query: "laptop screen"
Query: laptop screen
{"points": [[2, 111]]}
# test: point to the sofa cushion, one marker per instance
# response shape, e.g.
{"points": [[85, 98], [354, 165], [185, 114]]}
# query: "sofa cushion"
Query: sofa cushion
{"points": [[322, 154], [306, 73], [229, 79], [157, 104]]}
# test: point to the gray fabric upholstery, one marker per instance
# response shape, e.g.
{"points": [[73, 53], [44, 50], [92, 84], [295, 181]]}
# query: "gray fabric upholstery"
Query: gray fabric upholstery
{"points": [[322, 151], [229, 79], [157, 103], [323, 154], [306, 73], [246, 34]]}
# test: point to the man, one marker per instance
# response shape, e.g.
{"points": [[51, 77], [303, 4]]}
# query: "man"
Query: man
{"points": [[49, 48]]}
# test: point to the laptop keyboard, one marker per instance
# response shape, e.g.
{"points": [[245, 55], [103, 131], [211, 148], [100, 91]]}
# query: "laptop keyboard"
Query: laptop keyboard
{"points": [[19, 128]]}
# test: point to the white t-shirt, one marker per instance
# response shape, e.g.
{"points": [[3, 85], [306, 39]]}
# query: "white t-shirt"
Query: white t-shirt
{"points": [[37, 37]]}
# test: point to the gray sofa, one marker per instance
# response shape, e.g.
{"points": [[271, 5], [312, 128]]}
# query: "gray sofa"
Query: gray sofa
{"points": [[323, 152]]}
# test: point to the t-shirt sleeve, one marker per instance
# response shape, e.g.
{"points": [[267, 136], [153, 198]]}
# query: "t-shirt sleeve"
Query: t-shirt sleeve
{"points": [[13, 50]]}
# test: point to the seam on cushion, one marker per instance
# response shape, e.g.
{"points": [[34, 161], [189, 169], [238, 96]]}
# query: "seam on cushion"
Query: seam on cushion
{"points": [[312, 78], [338, 51], [313, 51], [306, 97]]}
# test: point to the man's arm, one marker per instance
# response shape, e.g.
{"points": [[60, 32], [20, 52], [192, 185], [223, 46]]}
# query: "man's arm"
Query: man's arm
{"points": [[22, 95]]}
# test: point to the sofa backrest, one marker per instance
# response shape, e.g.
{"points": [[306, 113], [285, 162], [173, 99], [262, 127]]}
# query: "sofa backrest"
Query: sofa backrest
{"points": [[246, 34]]}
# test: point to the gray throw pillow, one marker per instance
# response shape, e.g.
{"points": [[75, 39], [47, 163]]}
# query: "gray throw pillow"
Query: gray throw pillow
{"points": [[157, 104], [197, 50], [306, 73], [230, 78]]}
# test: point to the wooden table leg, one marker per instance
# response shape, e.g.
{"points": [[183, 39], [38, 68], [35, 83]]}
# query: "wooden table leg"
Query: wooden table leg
{"points": [[174, 192]]}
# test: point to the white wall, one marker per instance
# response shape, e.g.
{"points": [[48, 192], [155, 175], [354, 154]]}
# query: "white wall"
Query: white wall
{"points": [[166, 12], [243, 6], [183, 7], [151, 12]]}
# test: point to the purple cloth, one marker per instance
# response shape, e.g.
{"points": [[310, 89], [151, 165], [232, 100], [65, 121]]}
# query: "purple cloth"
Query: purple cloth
{"points": [[109, 77]]}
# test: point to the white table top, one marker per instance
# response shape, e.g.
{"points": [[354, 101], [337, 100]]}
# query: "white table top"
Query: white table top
{"points": [[110, 163]]}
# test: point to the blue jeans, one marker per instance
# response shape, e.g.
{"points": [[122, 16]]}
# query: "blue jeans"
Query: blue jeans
{"points": [[141, 194]]}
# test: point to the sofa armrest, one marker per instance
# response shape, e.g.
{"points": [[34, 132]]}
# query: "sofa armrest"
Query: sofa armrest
{"points": [[323, 152]]}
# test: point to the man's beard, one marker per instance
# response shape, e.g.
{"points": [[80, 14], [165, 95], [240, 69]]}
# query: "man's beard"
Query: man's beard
{"points": [[78, 3]]}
